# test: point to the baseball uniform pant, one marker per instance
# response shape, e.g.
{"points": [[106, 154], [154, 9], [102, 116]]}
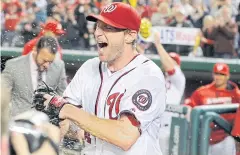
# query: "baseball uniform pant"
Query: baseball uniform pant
{"points": [[164, 140]]}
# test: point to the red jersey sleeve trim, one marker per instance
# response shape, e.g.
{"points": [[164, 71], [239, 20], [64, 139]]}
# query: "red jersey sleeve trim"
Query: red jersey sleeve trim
{"points": [[132, 118], [171, 72]]}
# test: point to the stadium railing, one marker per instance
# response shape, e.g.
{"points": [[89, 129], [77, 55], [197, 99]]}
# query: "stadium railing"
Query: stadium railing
{"points": [[193, 67], [192, 137]]}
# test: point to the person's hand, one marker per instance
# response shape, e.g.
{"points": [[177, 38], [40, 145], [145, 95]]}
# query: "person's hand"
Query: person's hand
{"points": [[54, 105], [38, 99], [47, 99], [54, 102], [64, 127]]}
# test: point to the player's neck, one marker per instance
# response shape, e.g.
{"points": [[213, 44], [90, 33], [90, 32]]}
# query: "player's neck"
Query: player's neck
{"points": [[122, 61]]}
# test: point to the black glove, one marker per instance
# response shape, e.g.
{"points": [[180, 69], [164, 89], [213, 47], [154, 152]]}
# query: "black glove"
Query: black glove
{"points": [[54, 107], [38, 103]]}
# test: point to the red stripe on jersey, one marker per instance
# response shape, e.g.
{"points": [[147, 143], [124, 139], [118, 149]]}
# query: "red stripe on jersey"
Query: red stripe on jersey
{"points": [[100, 88], [134, 58]]}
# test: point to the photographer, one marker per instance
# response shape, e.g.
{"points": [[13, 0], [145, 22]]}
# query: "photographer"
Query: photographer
{"points": [[38, 66], [18, 139]]}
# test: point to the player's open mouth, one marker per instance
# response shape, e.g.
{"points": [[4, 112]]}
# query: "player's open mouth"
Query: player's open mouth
{"points": [[102, 44]]}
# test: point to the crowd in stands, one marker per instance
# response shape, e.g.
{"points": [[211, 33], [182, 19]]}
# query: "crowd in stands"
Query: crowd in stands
{"points": [[219, 21]]}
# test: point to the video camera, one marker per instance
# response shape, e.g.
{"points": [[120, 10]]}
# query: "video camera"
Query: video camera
{"points": [[38, 102], [52, 113]]}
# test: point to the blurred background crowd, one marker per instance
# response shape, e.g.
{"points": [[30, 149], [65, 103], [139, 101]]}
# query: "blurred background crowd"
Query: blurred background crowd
{"points": [[23, 22], [219, 21]]}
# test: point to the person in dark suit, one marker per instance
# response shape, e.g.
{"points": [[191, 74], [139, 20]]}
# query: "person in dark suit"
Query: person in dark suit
{"points": [[23, 74]]}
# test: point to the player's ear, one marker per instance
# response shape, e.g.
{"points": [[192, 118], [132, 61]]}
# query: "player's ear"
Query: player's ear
{"points": [[130, 36]]}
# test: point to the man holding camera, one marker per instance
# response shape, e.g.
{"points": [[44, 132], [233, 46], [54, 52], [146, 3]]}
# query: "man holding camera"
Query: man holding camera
{"points": [[19, 143], [39, 65]]}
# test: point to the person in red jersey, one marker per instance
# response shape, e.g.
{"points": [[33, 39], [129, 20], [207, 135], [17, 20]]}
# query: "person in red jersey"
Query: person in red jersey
{"points": [[236, 131], [220, 91], [52, 29]]}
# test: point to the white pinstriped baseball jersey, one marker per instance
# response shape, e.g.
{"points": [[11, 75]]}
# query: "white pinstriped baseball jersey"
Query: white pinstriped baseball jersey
{"points": [[175, 85], [138, 88]]}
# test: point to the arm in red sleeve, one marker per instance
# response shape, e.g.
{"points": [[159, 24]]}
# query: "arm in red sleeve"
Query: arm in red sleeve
{"points": [[195, 99]]}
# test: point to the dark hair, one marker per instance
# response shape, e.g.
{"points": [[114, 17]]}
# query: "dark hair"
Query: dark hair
{"points": [[47, 42]]}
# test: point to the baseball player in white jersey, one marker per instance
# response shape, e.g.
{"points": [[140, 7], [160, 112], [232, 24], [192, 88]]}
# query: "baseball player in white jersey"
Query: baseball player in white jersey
{"points": [[175, 85], [122, 93]]}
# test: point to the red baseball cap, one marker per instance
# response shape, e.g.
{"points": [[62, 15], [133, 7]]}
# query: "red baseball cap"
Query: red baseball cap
{"points": [[175, 57], [55, 27], [119, 15], [221, 68]]}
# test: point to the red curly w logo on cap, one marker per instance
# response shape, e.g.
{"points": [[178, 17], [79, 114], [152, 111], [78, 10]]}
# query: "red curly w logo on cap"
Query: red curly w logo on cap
{"points": [[109, 8]]}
